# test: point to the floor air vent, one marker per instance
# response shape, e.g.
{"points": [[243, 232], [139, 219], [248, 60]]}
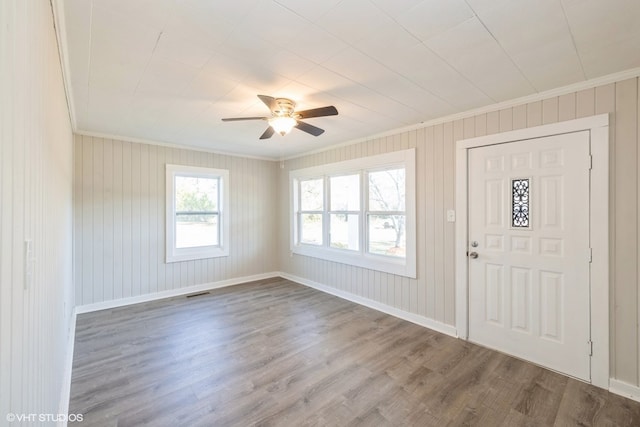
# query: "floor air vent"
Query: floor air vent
{"points": [[197, 295]]}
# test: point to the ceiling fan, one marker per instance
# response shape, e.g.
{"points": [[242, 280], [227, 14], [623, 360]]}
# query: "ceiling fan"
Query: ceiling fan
{"points": [[284, 117]]}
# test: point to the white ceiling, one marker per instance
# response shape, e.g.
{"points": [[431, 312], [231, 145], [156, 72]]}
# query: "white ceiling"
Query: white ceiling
{"points": [[169, 70]]}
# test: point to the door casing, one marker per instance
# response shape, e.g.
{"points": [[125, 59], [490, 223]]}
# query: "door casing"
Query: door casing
{"points": [[598, 126]]}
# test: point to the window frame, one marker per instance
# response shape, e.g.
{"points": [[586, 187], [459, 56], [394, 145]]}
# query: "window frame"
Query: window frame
{"points": [[175, 254], [402, 266]]}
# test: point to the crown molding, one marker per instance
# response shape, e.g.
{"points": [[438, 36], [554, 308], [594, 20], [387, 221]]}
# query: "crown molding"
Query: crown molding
{"points": [[59, 24], [171, 145], [539, 96]]}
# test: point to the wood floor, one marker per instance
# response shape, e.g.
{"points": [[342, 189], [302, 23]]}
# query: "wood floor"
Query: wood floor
{"points": [[277, 353]]}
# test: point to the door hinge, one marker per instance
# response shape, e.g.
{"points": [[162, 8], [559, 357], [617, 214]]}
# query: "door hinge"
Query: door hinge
{"points": [[590, 163], [590, 347], [590, 255]]}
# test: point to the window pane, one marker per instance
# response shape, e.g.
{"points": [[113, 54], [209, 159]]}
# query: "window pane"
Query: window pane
{"points": [[311, 229], [345, 193], [196, 231], [387, 235], [344, 231], [311, 195], [196, 194], [386, 190], [520, 203]]}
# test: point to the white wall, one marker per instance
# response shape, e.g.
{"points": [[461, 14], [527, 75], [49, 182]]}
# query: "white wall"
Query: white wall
{"points": [[119, 220], [431, 295], [36, 204]]}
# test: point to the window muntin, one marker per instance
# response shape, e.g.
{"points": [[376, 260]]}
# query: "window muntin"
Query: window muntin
{"points": [[197, 213], [367, 216]]}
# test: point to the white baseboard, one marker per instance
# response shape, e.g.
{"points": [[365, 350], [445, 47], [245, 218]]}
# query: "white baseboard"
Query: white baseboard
{"points": [[65, 392], [87, 308], [624, 389], [396, 312]]}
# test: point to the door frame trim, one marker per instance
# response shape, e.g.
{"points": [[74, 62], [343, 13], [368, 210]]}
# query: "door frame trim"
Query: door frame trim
{"points": [[598, 126]]}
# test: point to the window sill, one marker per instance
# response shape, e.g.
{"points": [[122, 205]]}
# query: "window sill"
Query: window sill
{"points": [[398, 266], [192, 254]]}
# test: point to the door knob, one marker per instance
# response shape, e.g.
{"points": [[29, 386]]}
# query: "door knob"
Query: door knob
{"points": [[473, 255]]}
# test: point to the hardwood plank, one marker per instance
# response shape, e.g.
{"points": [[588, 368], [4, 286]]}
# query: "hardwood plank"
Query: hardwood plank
{"points": [[469, 128], [520, 116], [585, 103], [277, 353], [550, 110], [505, 120], [87, 222], [78, 215], [97, 229], [626, 233], [449, 203], [481, 125], [534, 114], [439, 218], [567, 107], [430, 226], [418, 287], [493, 122]]}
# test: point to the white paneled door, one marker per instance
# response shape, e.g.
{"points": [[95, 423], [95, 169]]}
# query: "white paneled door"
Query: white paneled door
{"points": [[529, 250]]}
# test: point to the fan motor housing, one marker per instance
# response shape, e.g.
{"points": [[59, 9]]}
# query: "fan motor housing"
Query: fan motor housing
{"points": [[284, 107]]}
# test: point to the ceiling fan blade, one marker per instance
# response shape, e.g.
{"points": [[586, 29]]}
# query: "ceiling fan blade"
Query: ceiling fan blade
{"points": [[317, 112], [267, 133], [269, 101], [237, 119], [306, 127]]}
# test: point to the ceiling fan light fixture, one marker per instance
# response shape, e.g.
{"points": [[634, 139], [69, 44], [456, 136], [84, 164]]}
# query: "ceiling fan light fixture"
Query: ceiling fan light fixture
{"points": [[282, 125], [284, 117]]}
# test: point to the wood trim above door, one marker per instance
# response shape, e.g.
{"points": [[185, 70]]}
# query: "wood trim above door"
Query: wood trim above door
{"points": [[599, 228]]}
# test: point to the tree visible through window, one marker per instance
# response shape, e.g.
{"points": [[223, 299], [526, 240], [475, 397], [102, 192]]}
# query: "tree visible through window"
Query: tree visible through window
{"points": [[197, 213], [387, 212], [359, 212]]}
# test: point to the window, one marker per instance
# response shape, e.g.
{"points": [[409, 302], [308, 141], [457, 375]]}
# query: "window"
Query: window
{"points": [[311, 206], [359, 212], [197, 216], [520, 203], [386, 215], [344, 214]]}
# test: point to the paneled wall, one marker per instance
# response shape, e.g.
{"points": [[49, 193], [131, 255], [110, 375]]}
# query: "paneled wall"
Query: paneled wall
{"points": [[36, 205], [431, 295], [119, 220]]}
